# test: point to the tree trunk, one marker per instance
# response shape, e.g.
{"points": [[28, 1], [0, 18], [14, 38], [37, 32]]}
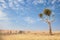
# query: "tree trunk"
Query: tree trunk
{"points": [[50, 29]]}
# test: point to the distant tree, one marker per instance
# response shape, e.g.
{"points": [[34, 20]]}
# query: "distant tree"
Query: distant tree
{"points": [[48, 17], [21, 32]]}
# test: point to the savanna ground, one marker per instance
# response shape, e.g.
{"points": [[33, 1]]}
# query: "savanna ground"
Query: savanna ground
{"points": [[33, 36]]}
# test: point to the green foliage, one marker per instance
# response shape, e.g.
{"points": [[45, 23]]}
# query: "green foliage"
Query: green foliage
{"points": [[41, 15], [47, 12]]}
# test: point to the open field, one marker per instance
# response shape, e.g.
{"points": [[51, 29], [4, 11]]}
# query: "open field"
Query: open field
{"points": [[30, 36]]}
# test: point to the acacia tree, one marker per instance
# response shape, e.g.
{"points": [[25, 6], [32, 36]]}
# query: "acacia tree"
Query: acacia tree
{"points": [[48, 17]]}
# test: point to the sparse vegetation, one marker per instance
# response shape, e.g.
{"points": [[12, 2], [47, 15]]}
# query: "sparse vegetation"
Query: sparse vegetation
{"points": [[37, 36]]}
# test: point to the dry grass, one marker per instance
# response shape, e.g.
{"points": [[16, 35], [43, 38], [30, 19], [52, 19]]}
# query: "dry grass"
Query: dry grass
{"points": [[31, 36]]}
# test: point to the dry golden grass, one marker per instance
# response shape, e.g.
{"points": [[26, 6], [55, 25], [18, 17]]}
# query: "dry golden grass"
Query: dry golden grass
{"points": [[31, 36]]}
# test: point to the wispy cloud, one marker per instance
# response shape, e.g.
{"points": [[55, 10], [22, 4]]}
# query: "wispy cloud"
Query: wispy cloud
{"points": [[13, 4], [3, 4], [44, 2], [3, 16], [35, 2], [53, 1], [2, 1], [4, 20], [29, 20]]}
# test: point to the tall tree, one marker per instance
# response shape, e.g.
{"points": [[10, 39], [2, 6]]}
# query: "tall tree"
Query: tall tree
{"points": [[48, 17]]}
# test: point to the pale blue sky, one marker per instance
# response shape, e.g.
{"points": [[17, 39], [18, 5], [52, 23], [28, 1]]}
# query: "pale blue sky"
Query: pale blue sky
{"points": [[23, 14]]}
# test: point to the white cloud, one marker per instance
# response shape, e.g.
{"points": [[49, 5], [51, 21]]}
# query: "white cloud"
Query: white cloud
{"points": [[21, 1], [3, 5], [11, 4], [3, 16], [4, 20], [2, 1], [14, 4], [38, 1], [29, 20], [53, 1], [41, 1]]}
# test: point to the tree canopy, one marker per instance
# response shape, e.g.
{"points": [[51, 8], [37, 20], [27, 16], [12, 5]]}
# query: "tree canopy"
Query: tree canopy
{"points": [[47, 12]]}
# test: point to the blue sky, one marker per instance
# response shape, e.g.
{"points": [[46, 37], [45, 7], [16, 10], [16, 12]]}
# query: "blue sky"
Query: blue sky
{"points": [[23, 14]]}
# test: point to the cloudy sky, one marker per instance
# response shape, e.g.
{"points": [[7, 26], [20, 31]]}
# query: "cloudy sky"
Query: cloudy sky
{"points": [[23, 14]]}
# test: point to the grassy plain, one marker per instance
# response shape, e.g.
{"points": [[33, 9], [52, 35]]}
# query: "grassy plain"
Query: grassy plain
{"points": [[30, 36]]}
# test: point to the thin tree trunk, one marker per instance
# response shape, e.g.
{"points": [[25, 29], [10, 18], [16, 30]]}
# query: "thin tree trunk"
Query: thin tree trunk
{"points": [[50, 29]]}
